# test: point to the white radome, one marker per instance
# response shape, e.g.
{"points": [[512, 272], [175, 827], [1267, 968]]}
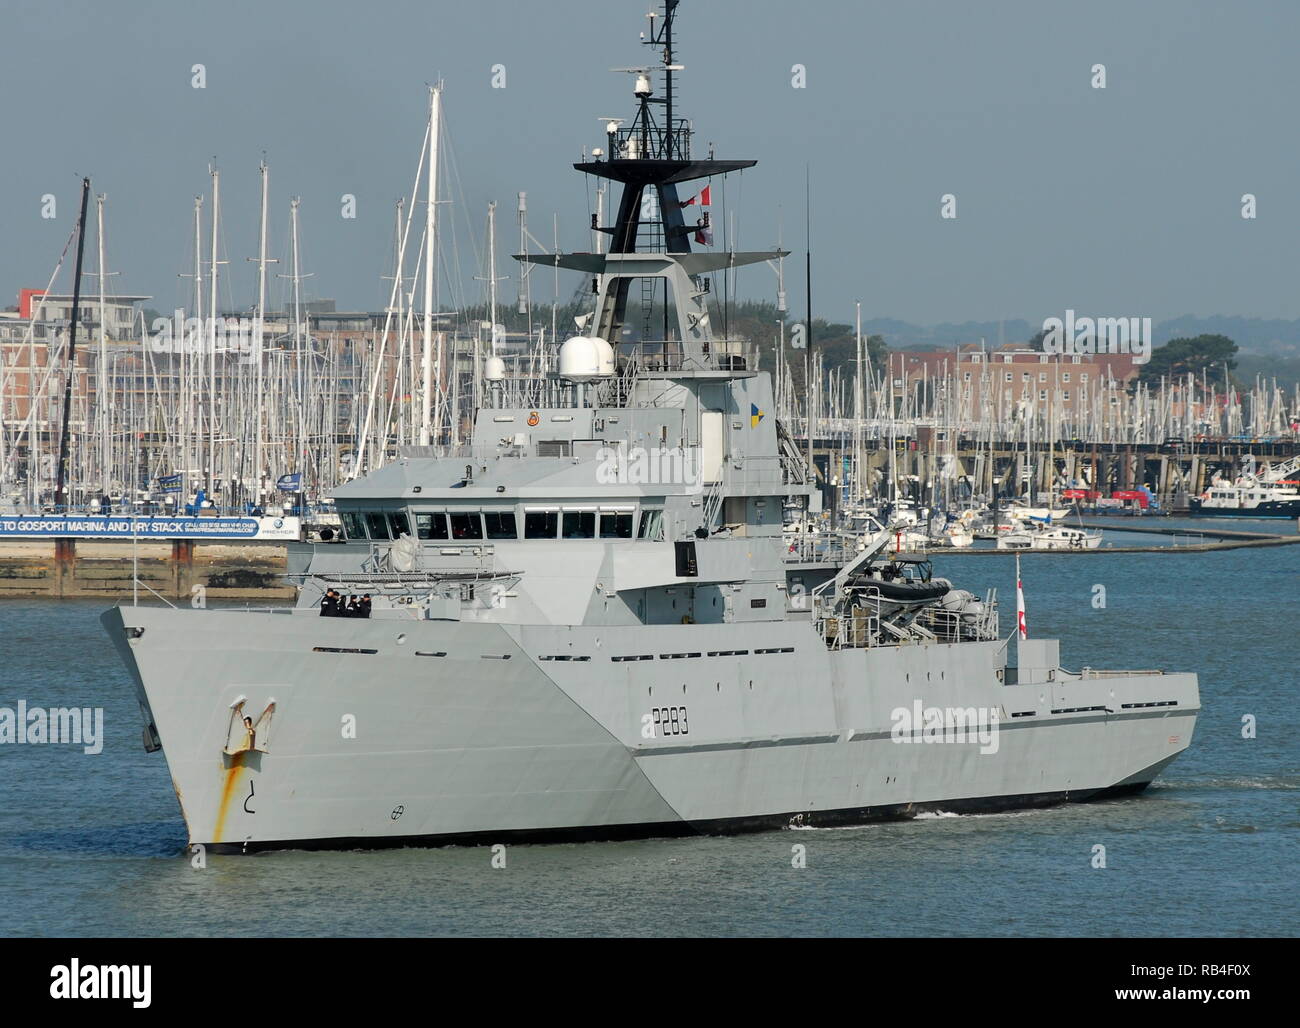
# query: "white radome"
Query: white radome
{"points": [[494, 370], [586, 357]]}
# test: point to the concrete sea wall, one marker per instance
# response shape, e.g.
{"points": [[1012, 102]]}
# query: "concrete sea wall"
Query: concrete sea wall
{"points": [[177, 570]]}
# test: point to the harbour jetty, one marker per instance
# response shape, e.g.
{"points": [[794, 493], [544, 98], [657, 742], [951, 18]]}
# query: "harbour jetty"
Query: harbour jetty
{"points": [[184, 569]]}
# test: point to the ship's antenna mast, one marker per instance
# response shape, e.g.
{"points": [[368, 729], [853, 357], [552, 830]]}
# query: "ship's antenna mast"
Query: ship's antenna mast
{"points": [[661, 35]]}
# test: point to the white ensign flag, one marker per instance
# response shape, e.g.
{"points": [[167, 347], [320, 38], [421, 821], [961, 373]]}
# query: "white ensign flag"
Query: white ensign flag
{"points": [[1020, 602]]}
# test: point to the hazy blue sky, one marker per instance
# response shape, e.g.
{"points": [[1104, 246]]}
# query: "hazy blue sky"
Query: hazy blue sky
{"points": [[1122, 201]]}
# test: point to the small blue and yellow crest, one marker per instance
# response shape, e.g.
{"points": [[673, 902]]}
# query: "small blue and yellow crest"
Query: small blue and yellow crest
{"points": [[755, 415]]}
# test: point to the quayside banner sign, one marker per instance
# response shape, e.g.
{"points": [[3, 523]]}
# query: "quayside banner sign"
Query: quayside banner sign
{"points": [[82, 526]]}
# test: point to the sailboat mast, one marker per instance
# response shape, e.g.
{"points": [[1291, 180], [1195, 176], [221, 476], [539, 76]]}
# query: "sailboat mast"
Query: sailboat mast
{"points": [[212, 338], [855, 495], [404, 371], [101, 406], [808, 343], [189, 425], [62, 467], [301, 447], [259, 462], [428, 403]]}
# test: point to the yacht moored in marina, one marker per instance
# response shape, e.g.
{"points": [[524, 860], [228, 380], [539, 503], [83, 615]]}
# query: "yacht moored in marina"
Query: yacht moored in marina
{"points": [[1033, 535], [1268, 494]]}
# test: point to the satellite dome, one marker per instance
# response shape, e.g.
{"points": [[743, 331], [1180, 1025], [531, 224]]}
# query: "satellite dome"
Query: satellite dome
{"points": [[494, 370], [585, 357], [604, 354]]}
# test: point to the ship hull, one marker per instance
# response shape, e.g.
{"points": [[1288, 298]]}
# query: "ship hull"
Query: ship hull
{"points": [[1270, 509], [477, 732], [849, 818]]}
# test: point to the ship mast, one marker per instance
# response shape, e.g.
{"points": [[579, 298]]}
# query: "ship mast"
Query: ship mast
{"points": [[655, 155]]}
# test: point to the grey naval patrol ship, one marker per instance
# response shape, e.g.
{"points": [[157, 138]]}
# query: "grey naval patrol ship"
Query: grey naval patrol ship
{"points": [[589, 623]]}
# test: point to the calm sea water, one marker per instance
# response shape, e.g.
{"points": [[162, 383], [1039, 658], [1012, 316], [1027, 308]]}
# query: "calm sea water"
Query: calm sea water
{"points": [[92, 845]]}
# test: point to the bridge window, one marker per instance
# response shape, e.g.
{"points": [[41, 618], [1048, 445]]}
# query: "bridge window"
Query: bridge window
{"points": [[500, 524], [398, 523], [466, 526], [431, 526], [579, 524], [377, 523], [541, 524], [615, 526], [353, 526], [652, 525]]}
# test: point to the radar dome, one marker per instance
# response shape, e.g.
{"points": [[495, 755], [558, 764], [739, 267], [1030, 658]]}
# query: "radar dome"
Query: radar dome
{"points": [[604, 354], [494, 370], [586, 357]]}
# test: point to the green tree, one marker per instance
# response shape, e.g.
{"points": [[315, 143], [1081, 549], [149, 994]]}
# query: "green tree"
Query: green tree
{"points": [[1211, 354]]}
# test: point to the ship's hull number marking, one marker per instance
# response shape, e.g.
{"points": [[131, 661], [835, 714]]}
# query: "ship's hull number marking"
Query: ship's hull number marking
{"points": [[669, 721]]}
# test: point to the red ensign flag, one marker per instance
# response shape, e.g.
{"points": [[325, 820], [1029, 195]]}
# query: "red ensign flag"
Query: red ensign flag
{"points": [[702, 198]]}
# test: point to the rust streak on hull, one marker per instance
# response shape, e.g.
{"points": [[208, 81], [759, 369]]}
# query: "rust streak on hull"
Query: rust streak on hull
{"points": [[227, 793]]}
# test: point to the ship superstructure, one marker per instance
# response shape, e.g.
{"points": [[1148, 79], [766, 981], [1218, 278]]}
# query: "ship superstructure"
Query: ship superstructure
{"points": [[589, 623]]}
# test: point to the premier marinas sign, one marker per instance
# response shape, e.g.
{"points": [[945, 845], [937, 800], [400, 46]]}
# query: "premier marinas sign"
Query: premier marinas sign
{"points": [[64, 526]]}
